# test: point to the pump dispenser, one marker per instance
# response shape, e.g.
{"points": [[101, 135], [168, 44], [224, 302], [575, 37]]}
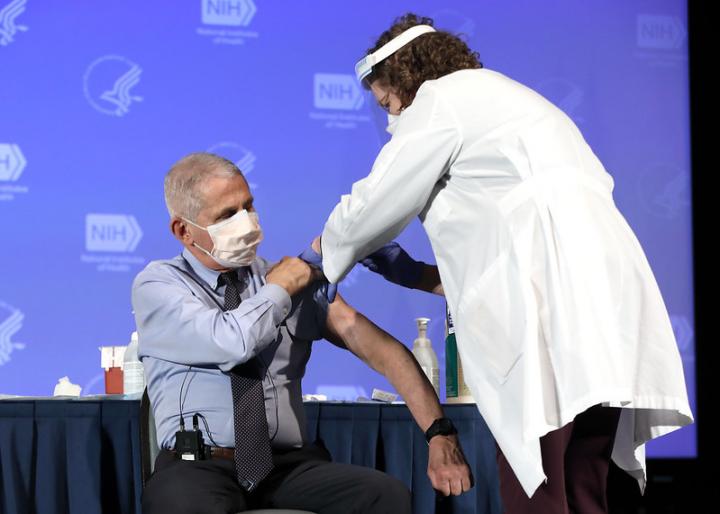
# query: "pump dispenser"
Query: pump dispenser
{"points": [[425, 355]]}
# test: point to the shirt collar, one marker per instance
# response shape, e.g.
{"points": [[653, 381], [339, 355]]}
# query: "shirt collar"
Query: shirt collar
{"points": [[210, 276]]}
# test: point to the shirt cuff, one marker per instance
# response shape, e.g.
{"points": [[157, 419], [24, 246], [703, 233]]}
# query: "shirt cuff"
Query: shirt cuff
{"points": [[282, 303]]}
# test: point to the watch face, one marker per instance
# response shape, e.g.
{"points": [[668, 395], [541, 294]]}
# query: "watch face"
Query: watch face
{"points": [[445, 426], [442, 426]]}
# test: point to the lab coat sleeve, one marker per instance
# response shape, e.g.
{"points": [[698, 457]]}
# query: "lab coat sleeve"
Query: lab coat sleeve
{"points": [[426, 141]]}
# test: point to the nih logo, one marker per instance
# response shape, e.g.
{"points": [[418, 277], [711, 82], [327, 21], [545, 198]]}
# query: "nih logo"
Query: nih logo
{"points": [[228, 12], [660, 32], [336, 91], [12, 162], [684, 333], [111, 233]]}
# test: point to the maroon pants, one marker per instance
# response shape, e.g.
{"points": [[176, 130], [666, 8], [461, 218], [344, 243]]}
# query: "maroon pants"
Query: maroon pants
{"points": [[576, 460]]}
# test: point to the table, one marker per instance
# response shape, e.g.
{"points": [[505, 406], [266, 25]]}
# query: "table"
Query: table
{"points": [[83, 455]]}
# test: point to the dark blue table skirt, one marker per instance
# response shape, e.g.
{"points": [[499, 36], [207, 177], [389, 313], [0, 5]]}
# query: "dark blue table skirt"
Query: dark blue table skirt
{"points": [[83, 456]]}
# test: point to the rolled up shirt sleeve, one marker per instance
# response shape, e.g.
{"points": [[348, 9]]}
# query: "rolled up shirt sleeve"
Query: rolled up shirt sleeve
{"points": [[177, 326]]}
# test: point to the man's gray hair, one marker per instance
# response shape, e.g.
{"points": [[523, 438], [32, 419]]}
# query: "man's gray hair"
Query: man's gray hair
{"points": [[185, 182]]}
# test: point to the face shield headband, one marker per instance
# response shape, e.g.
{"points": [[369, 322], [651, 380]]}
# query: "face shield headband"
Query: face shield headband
{"points": [[365, 65]]}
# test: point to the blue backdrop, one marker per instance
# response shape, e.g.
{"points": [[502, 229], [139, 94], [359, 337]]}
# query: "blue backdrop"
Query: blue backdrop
{"points": [[98, 99]]}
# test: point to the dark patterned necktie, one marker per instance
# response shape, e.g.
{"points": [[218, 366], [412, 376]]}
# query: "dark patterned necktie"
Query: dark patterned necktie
{"points": [[253, 453]]}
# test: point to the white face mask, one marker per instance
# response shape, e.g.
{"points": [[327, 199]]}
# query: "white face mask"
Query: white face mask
{"points": [[392, 123], [235, 240]]}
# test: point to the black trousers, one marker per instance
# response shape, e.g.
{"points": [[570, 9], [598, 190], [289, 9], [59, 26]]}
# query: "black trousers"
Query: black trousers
{"points": [[576, 460], [302, 479]]}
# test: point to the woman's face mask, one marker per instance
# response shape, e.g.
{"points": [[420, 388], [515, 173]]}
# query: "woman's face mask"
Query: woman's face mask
{"points": [[392, 123], [235, 240], [388, 100]]}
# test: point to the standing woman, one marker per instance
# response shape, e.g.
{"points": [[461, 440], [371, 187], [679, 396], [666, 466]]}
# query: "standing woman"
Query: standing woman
{"points": [[565, 340]]}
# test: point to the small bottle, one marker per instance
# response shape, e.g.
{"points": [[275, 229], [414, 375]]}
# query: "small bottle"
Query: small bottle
{"points": [[133, 371], [425, 355], [456, 390]]}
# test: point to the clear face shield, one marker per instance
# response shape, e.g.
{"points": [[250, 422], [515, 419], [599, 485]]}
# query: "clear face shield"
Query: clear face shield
{"points": [[364, 66]]}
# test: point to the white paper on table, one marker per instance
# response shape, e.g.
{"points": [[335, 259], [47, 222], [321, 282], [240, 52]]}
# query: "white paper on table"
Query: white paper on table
{"points": [[66, 388]]}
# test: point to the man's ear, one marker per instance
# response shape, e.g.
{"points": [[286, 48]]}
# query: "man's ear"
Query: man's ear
{"points": [[179, 229]]}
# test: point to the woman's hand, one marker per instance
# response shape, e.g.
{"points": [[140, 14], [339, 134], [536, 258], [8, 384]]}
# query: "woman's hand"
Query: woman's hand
{"points": [[394, 263]]}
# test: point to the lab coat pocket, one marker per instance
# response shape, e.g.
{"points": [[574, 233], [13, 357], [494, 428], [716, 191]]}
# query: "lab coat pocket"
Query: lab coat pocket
{"points": [[491, 322]]}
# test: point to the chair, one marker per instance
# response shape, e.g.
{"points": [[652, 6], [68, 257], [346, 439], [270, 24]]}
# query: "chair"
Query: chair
{"points": [[149, 451]]}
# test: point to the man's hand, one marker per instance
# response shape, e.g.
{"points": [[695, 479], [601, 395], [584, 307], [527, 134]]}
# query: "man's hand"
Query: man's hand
{"points": [[447, 469], [292, 274]]}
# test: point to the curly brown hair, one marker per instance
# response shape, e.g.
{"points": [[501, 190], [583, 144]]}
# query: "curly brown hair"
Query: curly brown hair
{"points": [[430, 56]]}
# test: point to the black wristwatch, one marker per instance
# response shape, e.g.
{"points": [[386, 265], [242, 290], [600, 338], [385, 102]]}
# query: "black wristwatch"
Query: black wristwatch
{"points": [[441, 426]]}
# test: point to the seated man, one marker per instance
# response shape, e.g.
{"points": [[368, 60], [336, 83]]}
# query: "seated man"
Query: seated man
{"points": [[226, 336]]}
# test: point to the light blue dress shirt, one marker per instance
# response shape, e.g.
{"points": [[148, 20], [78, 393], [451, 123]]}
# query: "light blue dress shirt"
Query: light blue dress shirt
{"points": [[185, 336]]}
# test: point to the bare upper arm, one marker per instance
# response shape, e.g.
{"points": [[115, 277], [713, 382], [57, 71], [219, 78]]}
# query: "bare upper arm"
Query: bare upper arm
{"points": [[349, 329], [340, 316]]}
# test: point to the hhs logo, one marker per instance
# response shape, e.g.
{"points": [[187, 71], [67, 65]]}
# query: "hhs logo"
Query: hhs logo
{"points": [[10, 323], [8, 28], [334, 91], [567, 95], [665, 191], [228, 12], [108, 83], [12, 162], [660, 32], [454, 20], [243, 158], [111, 233]]}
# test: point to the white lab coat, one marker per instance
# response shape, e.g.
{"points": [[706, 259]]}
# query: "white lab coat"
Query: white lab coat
{"points": [[556, 307]]}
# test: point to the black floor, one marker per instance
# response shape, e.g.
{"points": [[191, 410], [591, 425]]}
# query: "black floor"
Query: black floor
{"points": [[674, 487]]}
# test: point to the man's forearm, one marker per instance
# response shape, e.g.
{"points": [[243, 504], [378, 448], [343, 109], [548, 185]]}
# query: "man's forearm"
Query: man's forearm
{"points": [[447, 469], [405, 374], [179, 327], [392, 359]]}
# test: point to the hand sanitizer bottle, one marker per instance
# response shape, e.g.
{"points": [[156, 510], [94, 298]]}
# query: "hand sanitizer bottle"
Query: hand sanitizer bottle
{"points": [[133, 371], [425, 355]]}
